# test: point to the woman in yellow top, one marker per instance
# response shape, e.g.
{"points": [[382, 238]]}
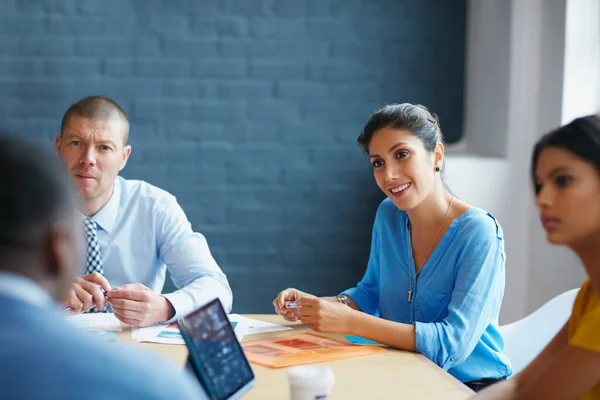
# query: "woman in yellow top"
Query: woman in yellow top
{"points": [[566, 172]]}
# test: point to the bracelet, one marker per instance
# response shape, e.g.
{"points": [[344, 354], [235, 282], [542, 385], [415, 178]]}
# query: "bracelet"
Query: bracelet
{"points": [[342, 298]]}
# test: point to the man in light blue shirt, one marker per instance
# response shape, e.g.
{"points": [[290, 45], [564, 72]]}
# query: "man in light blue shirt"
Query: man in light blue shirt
{"points": [[134, 231], [41, 355]]}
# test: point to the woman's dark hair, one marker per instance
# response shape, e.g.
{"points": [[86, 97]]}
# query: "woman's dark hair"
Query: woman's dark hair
{"points": [[414, 118], [581, 137]]}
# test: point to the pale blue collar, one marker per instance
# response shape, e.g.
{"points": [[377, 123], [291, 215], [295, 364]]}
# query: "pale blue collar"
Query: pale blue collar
{"points": [[107, 216]]}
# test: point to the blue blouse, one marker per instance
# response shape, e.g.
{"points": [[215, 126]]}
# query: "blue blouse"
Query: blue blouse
{"points": [[456, 298]]}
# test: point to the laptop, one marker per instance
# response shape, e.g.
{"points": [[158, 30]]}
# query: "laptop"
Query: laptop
{"points": [[215, 355]]}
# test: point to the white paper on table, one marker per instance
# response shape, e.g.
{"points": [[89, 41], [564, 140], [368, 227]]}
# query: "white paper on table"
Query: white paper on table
{"points": [[161, 333], [169, 333], [239, 327], [254, 326], [104, 322]]}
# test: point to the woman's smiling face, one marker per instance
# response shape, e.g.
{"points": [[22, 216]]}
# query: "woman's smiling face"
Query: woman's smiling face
{"points": [[402, 166]]}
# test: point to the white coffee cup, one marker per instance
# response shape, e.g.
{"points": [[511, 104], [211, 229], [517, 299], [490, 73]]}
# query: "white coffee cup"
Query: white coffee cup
{"points": [[310, 382]]}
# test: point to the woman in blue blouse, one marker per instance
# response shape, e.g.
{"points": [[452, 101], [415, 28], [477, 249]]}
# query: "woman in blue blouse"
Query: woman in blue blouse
{"points": [[435, 278]]}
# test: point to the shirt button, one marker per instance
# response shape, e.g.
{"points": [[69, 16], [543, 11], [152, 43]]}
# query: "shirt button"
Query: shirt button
{"points": [[451, 358], [410, 322]]}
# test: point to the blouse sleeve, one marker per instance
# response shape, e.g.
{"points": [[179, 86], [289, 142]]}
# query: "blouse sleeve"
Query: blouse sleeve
{"points": [[366, 293]]}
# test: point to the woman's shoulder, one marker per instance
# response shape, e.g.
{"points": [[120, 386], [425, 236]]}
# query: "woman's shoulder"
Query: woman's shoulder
{"points": [[586, 297], [387, 206], [389, 218], [388, 210], [584, 322], [477, 223]]}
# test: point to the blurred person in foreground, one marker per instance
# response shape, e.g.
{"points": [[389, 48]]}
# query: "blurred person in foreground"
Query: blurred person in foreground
{"points": [[41, 355], [565, 169]]}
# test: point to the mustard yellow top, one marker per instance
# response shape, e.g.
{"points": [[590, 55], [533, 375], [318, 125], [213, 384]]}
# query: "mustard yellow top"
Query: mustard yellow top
{"points": [[584, 328]]}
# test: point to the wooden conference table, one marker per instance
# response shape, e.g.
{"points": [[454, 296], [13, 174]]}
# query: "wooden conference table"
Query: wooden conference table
{"points": [[394, 374]]}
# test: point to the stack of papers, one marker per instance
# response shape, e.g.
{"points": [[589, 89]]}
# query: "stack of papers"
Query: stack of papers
{"points": [[169, 333], [103, 324], [254, 326], [160, 333], [99, 322]]}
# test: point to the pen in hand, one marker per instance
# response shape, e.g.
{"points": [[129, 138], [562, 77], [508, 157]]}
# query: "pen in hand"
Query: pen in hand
{"points": [[67, 308], [291, 305]]}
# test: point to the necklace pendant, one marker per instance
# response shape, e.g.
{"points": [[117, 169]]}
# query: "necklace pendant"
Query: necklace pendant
{"points": [[410, 296]]}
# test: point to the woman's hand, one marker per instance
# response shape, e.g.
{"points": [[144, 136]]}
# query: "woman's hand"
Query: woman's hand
{"points": [[326, 315], [286, 296]]}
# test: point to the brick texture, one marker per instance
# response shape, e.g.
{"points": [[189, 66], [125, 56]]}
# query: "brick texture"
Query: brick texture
{"points": [[246, 110]]}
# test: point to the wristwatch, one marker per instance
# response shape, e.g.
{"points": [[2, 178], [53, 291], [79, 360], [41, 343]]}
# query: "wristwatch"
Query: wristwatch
{"points": [[342, 298]]}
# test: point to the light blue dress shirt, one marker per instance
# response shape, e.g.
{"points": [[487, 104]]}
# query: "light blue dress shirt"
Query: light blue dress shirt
{"points": [[142, 232], [456, 297]]}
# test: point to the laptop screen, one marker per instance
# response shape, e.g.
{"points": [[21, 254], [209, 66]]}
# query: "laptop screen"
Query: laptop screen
{"points": [[215, 353]]}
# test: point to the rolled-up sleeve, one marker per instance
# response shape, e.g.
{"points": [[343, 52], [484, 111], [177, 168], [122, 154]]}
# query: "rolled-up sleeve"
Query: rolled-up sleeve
{"points": [[474, 303], [366, 293], [193, 269]]}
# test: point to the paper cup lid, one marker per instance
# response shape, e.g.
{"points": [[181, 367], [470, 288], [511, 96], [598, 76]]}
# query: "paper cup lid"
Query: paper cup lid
{"points": [[311, 375]]}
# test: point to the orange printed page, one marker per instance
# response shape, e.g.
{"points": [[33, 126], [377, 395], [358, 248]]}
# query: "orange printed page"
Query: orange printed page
{"points": [[303, 349]]}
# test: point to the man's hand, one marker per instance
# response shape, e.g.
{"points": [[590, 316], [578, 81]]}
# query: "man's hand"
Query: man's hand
{"points": [[86, 292], [137, 305]]}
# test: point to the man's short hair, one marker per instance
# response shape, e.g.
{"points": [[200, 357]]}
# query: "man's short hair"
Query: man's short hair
{"points": [[36, 194], [99, 108]]}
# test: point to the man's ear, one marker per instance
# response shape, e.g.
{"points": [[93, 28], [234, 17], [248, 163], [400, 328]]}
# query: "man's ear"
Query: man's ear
{"points": [[126, 154], [57, 142]]}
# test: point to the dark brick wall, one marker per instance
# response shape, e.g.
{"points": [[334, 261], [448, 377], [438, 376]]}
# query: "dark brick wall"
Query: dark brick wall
{"points": [[246, 110]]}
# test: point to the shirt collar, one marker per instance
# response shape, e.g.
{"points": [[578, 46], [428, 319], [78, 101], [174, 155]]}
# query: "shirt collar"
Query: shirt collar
{"points": [[107, 215], [22, 288]]}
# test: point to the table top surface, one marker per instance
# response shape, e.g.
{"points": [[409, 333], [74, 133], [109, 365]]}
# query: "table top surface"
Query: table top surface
{"points": [[394, 374]]}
